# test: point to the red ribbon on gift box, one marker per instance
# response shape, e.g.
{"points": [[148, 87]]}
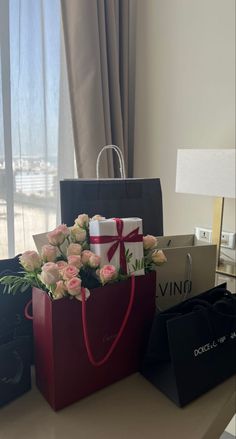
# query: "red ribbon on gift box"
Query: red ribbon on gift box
{"points": [[119, 241]]}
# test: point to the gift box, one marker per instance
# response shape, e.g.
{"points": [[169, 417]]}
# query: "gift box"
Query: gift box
{"points": [[119, 242]]}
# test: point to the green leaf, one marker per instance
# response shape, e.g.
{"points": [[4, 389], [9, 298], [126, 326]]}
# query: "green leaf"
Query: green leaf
{"points": [[24, 288]]}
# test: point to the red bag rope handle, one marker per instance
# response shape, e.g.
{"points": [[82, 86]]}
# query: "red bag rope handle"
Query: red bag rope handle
{"points": [[26, 311], [121, 330], [85, 330]]}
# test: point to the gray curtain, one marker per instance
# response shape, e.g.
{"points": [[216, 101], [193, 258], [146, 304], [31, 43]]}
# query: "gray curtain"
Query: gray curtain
{"points": [[99, 43]]}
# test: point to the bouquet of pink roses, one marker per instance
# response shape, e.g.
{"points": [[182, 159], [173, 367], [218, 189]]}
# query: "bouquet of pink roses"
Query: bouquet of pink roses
{"points": [[66, 263]]}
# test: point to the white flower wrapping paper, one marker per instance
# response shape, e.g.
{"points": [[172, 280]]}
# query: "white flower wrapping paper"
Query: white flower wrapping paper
{"points": [[108, 227]]}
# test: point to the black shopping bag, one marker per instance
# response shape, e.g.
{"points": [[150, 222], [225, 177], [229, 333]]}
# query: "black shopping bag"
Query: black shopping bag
{"points": [[192, 346], [15, 378], [123, 198], [12, 318]]}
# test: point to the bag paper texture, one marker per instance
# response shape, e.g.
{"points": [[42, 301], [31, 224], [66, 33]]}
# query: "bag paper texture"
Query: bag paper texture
{"points": [[189, 271]]}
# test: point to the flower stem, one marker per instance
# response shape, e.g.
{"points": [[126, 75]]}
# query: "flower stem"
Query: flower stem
{"points": [[60, 250], [37, 280]]}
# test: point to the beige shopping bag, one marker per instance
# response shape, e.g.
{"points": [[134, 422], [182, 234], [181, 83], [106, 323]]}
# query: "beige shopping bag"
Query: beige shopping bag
{"points": [[190, 269]]}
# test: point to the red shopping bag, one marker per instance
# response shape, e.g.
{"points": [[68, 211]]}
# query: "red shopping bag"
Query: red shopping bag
{"points": [[73, 361]]}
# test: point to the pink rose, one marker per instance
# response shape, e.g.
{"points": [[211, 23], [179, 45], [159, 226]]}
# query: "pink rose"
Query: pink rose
{"points": [[108, 273], [158, 257], [82, 220], [49, 253], [30, 260], [55, 237], [75, 260], [58, 235], [59, 290], [77, 234], [74, 249], [149, 242], [69, 272], [98, 218], [85, 255], [61, 265], [94, 261], [74, 286], [50, 274]]}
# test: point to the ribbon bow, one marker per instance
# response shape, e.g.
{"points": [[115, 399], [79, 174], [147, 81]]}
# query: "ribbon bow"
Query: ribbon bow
{"points": [[119, 241]]}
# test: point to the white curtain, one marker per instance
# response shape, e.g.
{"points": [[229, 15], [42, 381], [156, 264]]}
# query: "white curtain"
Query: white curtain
{"points": [[33, 98]]}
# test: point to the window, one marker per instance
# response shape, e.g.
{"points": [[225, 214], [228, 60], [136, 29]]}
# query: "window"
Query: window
{"points": [[31, 89]]}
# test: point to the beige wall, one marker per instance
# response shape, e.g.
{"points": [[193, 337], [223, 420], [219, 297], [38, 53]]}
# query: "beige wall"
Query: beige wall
{"points": [[185, 96]]}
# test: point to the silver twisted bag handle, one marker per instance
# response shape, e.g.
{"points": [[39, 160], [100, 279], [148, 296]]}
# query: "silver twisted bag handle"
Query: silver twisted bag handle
{"points": [[120, 157], [189, 272]]}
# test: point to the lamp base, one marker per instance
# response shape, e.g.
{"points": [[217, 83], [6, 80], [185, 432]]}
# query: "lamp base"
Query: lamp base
{"points": [[226, 268]]}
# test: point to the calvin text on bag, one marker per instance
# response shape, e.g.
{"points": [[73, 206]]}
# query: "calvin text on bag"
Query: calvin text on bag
{"points": [[173, 288]]}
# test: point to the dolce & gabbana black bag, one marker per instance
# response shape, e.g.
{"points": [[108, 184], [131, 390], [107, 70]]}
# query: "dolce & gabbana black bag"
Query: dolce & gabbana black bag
{"points": [[192, 346]]}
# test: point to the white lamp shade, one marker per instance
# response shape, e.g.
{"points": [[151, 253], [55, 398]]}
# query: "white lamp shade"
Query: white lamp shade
{"points": [[206, 172]]}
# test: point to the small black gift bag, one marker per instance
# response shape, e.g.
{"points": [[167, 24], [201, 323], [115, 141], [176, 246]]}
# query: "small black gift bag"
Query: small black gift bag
{"points": [[192, 346], [15, 378], [12, 318]]}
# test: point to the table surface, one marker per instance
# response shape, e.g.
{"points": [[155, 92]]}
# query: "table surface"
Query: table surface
{"points": [[129, 409]]}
